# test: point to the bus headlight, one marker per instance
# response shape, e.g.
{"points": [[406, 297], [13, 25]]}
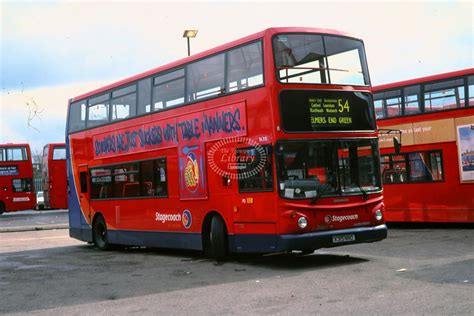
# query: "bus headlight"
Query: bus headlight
{"points": [[302, 222], [378, 215]]}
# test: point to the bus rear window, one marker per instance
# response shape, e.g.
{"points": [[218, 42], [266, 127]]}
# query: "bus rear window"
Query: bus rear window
{"points": [[13, 154], [59, 153], [22, 185]]}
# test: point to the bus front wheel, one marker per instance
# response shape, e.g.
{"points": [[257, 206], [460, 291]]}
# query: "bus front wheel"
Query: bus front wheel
{"points": [[2, 208], [218, 238], [99, 233]]}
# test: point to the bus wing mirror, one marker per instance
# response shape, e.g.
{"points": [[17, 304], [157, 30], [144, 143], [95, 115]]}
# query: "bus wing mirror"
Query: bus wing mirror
{"points": [[397, 145]]}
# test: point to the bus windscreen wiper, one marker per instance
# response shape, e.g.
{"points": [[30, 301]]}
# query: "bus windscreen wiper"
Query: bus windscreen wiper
{"points": [[319, 194], [365, 195]]}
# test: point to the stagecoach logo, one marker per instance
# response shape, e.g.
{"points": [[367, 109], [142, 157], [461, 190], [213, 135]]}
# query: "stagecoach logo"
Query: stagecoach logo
{"points": [[187, 219], [335, 218], [163, 218], [191, 172], [237, 158]]}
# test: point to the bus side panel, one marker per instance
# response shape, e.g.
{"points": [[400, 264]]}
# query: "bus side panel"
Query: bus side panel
{"points": [[447, 201], [176, 240]]}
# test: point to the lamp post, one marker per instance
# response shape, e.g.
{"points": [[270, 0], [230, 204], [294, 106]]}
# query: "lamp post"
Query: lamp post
{"points": [[188, 34]]}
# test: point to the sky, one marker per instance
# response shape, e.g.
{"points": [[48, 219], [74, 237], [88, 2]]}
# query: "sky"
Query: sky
{"points": [[52, 51]]}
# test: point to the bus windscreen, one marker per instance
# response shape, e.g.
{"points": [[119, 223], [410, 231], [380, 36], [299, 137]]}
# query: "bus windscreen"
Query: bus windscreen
{"points": [[313, 58]]}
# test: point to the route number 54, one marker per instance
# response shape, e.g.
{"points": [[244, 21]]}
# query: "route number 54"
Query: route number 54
{"points": [[343, 106]]}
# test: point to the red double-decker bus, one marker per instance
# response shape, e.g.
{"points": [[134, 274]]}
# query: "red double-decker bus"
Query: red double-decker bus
{"points": [[16, 178], [53, 176], [432, 178], [265, 144]]}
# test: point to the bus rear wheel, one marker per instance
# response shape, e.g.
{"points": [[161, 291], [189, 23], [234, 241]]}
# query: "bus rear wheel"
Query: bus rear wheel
{"points": [[99, 233], [218, 239], [2, 208]]}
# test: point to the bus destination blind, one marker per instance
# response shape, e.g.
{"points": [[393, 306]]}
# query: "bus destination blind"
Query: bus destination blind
{"points": [[321, 111]]}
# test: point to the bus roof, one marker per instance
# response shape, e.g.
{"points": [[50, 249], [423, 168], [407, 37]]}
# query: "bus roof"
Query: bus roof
{"points": [[55, 144], [15, 145], [268, 32], [409, 82]]}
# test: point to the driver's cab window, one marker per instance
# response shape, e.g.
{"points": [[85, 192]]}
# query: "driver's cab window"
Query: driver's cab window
{"points": [[299, 182], [255, 169], [306, 171]]}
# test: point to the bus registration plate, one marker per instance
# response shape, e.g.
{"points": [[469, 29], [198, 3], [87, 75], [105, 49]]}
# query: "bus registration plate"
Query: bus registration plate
{"points": [[343, 238]]}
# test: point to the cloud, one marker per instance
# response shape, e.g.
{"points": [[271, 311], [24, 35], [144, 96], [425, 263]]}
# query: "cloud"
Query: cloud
{"points": [[51, 50], [19, 123], [74, 42], [67, 42]]}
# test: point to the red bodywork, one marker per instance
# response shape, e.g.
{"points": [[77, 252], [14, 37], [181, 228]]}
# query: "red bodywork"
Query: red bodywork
{"points": [[54, 178], [9, 171], [449, 200], [243, 213]]}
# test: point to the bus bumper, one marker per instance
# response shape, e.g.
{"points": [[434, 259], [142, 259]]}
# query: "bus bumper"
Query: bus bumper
{"points": [[332, 238], [262, 243]]}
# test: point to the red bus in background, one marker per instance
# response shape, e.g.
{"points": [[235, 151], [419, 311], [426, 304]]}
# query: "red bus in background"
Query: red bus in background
{"points": [[265, 144], [16, 178], [53, 176], [432, 178]]}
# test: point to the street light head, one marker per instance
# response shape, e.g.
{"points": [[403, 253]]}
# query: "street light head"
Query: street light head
{"points": [[190, 33]]}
